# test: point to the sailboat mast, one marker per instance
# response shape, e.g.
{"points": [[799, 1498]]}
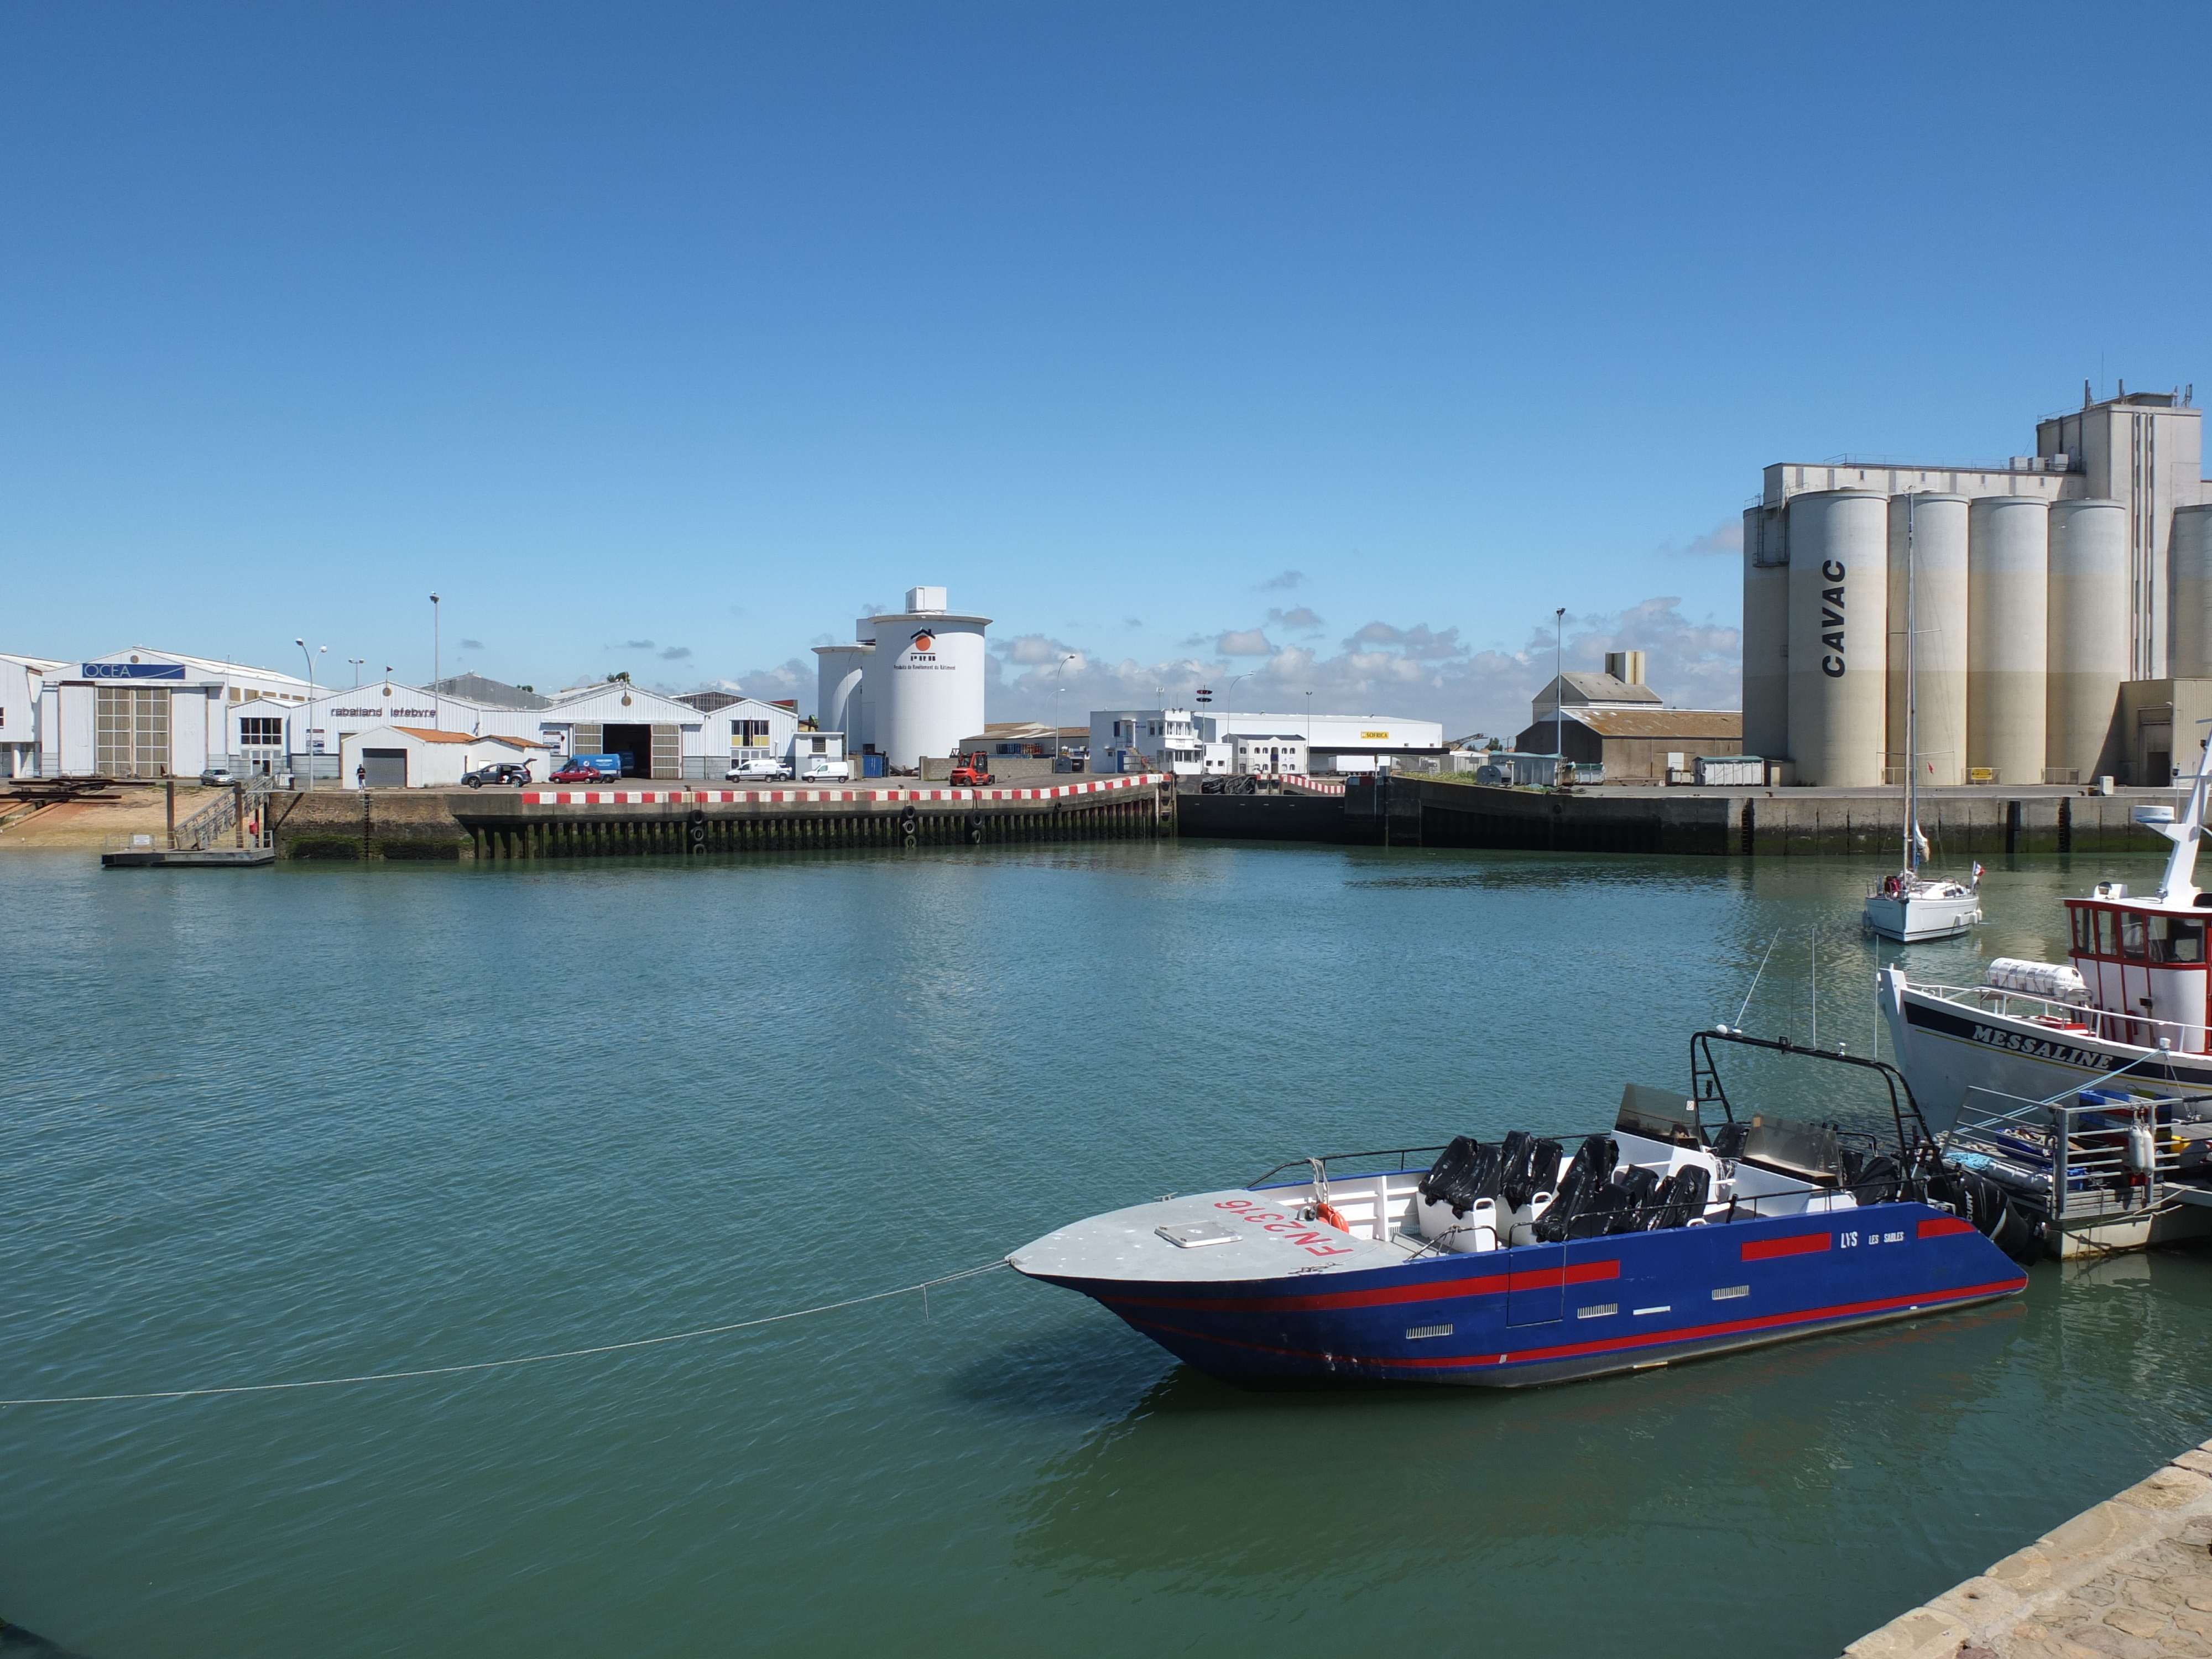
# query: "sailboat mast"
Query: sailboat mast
{"points": [[1911, 712]]}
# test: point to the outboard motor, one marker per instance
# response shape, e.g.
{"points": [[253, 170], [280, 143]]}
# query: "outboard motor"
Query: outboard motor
{"points": [[1985, 1204]]}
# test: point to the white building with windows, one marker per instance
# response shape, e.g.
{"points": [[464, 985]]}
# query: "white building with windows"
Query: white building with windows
{"points": [[22, 679], [148, 713], [1173, 740]]}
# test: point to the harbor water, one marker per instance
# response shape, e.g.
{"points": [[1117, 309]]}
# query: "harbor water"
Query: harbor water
{"points": [[310, 1122]]}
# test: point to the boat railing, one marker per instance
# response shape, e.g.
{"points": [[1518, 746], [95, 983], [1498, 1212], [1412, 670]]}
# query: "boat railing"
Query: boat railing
{"points": [[2118, 1156], [1427, 1154], [2077, 1018]]}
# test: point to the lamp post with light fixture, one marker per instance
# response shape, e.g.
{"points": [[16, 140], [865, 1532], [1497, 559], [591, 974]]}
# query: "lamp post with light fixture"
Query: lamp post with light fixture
{"points": [[307, 731], [1057, 688]]}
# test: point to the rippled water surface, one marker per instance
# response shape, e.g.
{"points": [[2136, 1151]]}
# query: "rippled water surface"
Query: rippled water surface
{"points": [[313, 1122]]}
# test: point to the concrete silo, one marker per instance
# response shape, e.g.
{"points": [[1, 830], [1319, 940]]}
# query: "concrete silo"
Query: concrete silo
{"points": [[1939, 604], [1766, 635], [2191, 575], [2008, 606], [1839, 626], [925, 679], [838, 705], [2088, 655]]}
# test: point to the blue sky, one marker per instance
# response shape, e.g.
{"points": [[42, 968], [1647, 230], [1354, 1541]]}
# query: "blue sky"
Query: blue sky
{"points": [[1331, 346]]}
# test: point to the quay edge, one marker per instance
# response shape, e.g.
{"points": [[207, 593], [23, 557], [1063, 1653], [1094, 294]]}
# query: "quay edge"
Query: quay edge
{"points": [[2130, 1577], [350, 825], [1782, 822]]}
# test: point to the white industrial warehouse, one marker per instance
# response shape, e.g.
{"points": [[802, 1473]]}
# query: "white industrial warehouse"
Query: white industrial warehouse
{"points": [[2061, 606]]}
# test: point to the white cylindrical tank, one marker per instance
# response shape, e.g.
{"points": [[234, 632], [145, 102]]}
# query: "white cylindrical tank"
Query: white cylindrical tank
{"points": [[1838, 623], [837, 670], [925, 681], [2088, 639], [1939, 604], [2190, 574], [1765, 636], [2007, 608]]}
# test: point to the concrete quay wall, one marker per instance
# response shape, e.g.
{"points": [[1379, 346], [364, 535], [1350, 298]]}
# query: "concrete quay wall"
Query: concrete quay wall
{"points": [[466, 823], [2128, 1579], [1966, 823]]}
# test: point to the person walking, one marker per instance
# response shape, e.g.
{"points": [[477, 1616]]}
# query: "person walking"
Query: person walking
{"points": [[361, 776]]}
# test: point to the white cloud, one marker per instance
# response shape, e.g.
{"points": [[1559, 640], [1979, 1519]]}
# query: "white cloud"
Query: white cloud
{"points": [[791, 679], [1301, 619], [1726, 536], [1288, 580], [1245, 642], [1417, 670], [1026, 649], [676, 654]]}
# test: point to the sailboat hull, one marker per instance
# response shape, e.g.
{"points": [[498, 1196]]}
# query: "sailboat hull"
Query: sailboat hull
{"points": [[1911, 920]]}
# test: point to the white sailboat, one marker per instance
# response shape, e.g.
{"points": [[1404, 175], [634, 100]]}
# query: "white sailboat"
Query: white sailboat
{"points": [[1909, 907]]}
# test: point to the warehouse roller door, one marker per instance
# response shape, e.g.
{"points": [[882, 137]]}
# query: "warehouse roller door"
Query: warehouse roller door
{"points": [[667, 752], [386, 768]]}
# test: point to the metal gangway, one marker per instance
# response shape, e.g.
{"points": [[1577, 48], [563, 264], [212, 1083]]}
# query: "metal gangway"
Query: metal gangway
{"points": [[227, 815], [2109, 1167]]}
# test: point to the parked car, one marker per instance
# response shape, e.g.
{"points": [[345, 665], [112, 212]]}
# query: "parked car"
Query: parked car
{"points": [[823, 769], [216, 777], [500, 774], [575, 772], [761, 769]]}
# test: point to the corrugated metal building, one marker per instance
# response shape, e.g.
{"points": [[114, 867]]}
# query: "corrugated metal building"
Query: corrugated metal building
{"points": [[1632, 744]]}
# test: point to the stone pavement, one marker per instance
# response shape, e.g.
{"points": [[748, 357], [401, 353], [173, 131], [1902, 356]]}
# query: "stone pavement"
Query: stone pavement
{"points": [[2128, 1579]]}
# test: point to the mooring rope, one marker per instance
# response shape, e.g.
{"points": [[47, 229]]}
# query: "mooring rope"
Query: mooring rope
{"points": [[524, 1359]]}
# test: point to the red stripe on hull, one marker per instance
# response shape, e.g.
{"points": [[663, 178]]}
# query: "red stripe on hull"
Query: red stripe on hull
{"points": [[1767, 1250], [1619, 1344]]}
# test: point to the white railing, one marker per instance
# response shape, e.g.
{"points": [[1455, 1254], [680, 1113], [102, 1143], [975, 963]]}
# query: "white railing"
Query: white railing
{"points": [[2075, 1017]]}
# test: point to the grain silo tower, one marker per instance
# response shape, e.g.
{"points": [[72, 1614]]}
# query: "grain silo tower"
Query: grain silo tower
{"points": [[2008, 606], [1939, 627], [1838, 623], [924, 681], [2192, 592], [1766, 634], [2087, 656]]}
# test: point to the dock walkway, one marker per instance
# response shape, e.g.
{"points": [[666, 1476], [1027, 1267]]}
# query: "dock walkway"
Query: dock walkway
{"points": [[2128, 1579]]}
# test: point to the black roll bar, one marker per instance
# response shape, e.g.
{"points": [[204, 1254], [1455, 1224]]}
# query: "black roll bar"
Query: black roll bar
{"points": [[1705, 1070]]}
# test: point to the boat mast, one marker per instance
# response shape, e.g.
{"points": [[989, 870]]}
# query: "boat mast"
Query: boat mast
{"points": [[2179, 886], [1912, 708]]}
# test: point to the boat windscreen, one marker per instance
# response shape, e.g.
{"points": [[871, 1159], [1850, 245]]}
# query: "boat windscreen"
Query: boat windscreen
{"points": [[1809, 1149], [1665, 1114]]}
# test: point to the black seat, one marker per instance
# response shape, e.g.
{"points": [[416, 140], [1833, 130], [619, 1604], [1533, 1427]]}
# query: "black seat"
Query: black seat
{"points": [[1528, 1164], [1467, 1170], [1682, 1199], [1583, 1188], [1632, 1196]]}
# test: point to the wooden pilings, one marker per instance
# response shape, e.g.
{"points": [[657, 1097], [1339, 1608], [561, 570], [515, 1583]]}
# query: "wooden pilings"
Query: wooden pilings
{"points": [[590, 834]]}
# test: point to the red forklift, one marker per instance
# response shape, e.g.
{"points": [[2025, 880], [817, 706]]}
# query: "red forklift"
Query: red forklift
{"points": [[972, 773]]}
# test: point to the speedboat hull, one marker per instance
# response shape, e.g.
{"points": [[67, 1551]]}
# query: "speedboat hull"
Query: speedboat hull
{"points": [[1281, 1301]]}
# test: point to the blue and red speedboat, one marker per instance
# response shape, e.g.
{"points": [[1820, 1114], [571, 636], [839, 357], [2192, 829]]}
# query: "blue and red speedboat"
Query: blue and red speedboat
{"points": [[1680, 1233]]}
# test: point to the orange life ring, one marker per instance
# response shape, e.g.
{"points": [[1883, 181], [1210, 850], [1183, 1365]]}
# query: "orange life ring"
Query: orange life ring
{"points": [[1328, 1211]]}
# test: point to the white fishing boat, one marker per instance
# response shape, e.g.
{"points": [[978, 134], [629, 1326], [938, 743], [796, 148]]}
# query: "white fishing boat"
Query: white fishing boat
{"points": [[1909, 907], [2130, 998]]}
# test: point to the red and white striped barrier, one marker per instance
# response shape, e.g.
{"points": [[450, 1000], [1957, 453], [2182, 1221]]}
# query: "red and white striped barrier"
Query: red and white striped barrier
{"points": [[777, 797], [1313, 786]]}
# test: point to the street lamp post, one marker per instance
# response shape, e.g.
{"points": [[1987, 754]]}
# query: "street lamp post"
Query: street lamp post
{"points": [[1057, 688], [358, 663], [436, 667], [307, 731], [1559, 687]]}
